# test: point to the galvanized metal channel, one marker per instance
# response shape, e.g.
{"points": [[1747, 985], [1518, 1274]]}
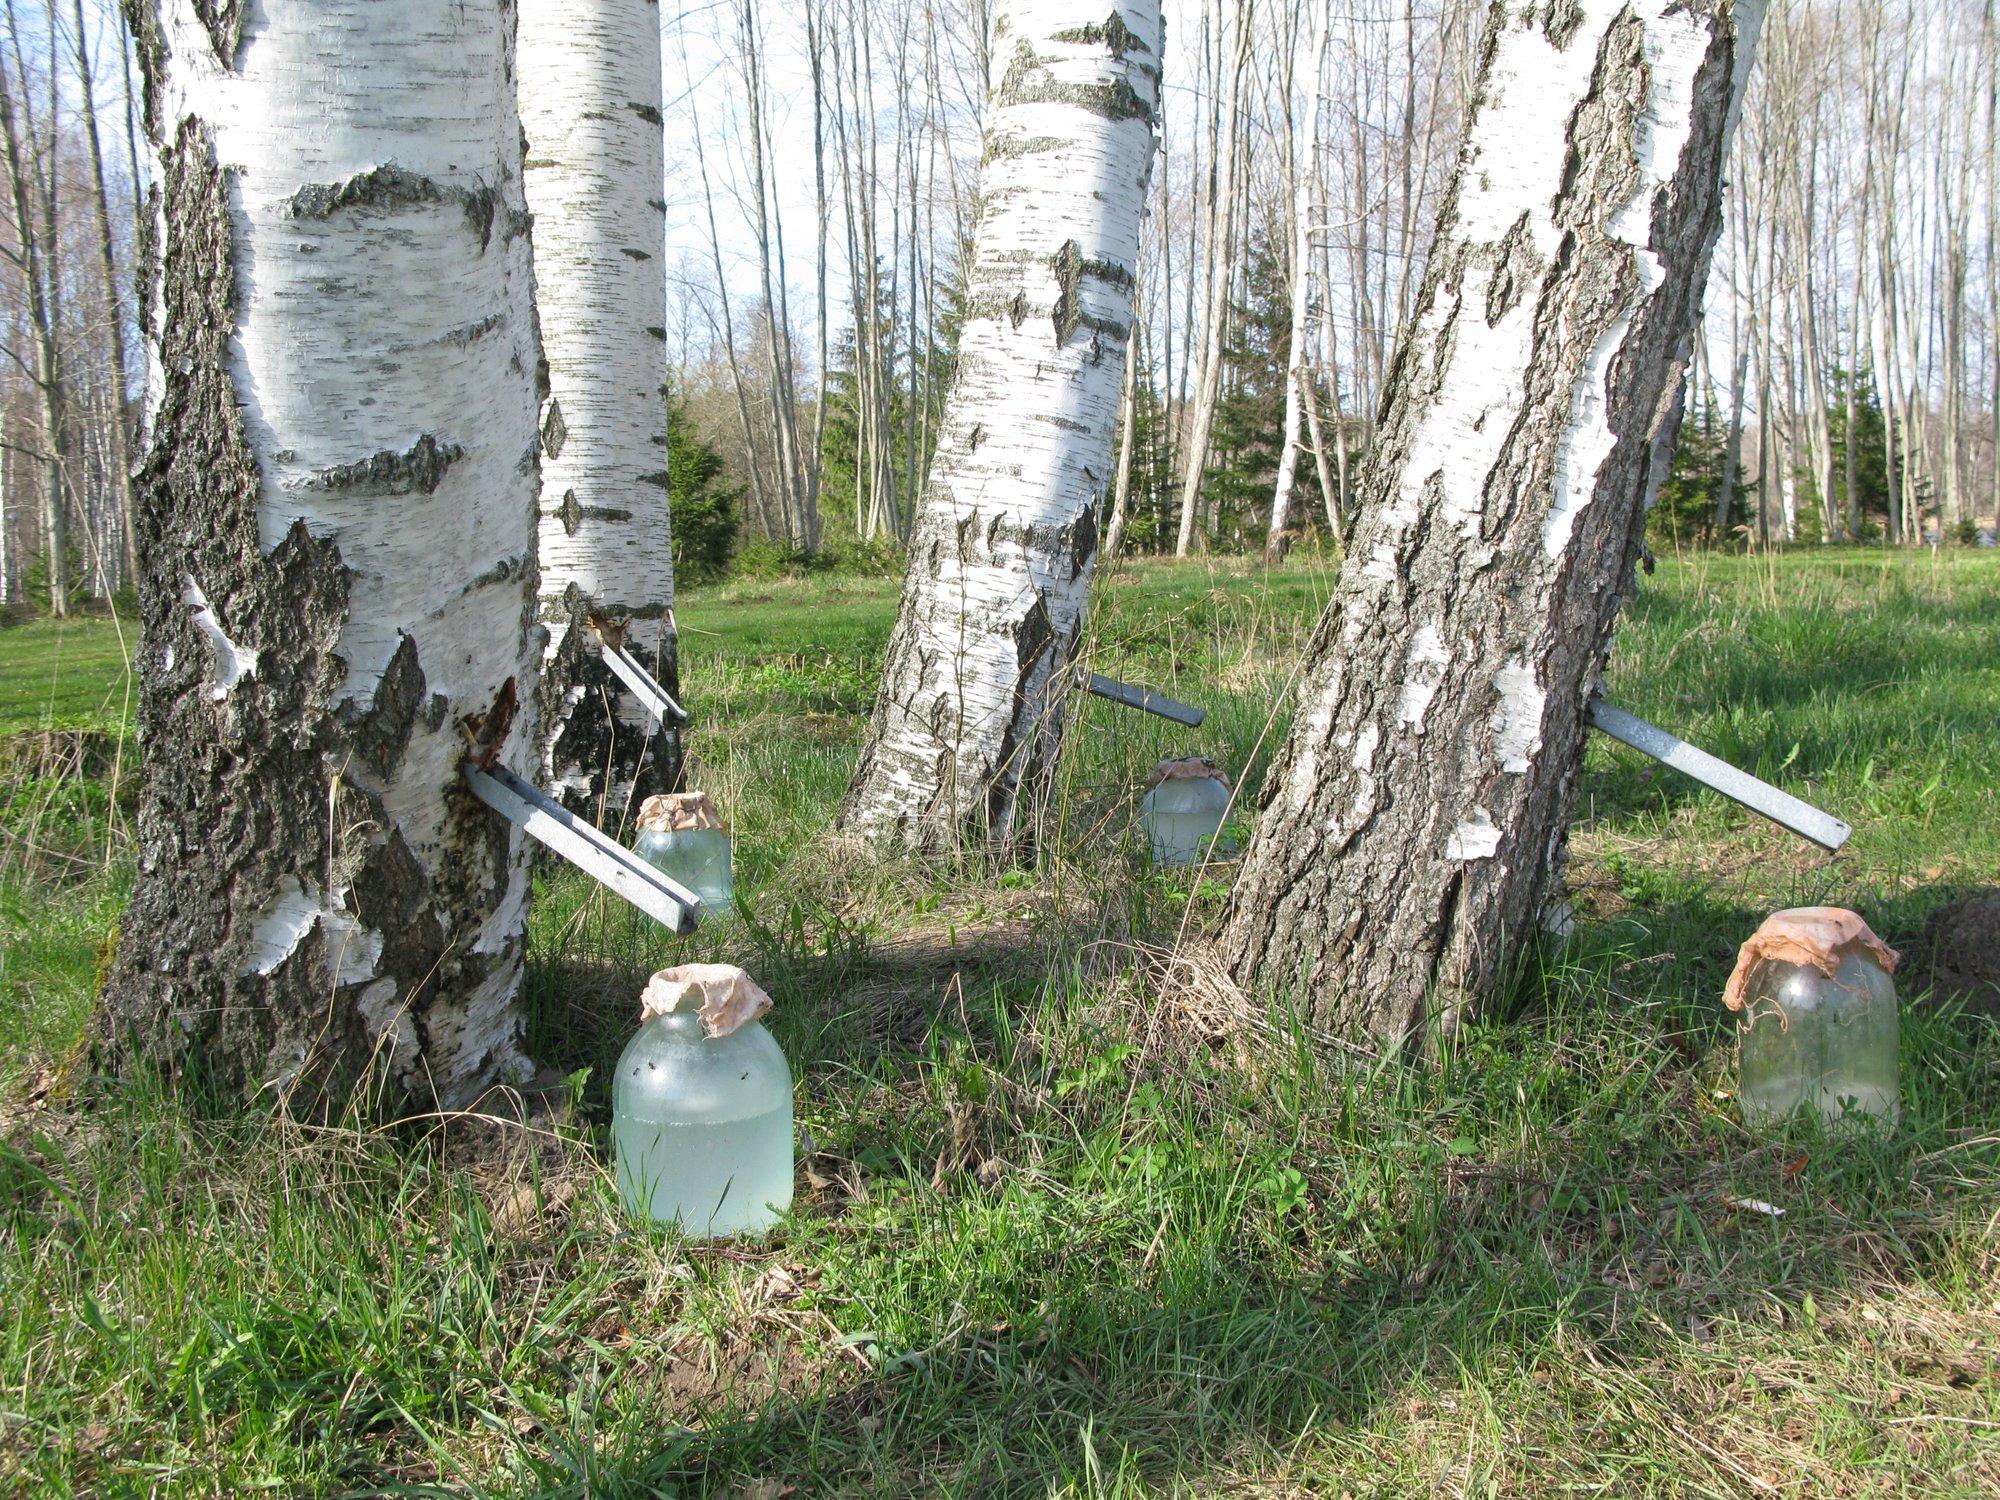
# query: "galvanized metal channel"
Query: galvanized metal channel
{"points": [[1782, 808]]}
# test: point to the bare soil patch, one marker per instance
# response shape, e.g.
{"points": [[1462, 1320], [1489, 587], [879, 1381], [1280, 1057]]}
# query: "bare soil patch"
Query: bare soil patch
{"points": [[1958, 953]]}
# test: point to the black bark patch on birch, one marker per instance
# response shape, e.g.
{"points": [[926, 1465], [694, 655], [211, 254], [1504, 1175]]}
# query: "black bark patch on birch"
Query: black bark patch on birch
{"points": [[1560, 23], [1114, 35], [223, 21], [597, 765], [420, 469], [381, 731], [391, 187], [1068, 267], [1516, 269], [647, 113], [570, 513], [555, 432], [386, 186], [1007, 147], [1028, 81]]}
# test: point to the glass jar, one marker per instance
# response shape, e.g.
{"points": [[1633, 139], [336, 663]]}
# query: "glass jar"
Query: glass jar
{"points": [[1818, 1026], [1182, 815], [697, 857], [701, 1127]]}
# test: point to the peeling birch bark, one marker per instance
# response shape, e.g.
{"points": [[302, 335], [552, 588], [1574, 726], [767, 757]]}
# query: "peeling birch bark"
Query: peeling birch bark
{"points": [[970, 715], [1417, 814], [337, 525], [590, 107]]}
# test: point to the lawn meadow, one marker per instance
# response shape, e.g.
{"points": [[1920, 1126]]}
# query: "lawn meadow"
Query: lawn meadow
{"points": [[1072, 1218]]}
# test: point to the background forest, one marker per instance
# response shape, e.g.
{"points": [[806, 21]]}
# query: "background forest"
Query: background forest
{"points": [[820, 196]]}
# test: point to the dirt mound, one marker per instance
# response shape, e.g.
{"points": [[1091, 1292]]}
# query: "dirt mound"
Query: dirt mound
{"points": [[1958, 955]]}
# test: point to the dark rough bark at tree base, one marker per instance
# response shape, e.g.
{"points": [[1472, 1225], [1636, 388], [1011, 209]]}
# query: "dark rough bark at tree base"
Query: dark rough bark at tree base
{"points": [[1417, 814], [601, 767]]}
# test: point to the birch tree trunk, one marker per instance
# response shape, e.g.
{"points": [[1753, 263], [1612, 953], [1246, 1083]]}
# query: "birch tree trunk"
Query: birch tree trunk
{"points": [[969, 718], [590, 99], [337, 527], [1418, 811]]}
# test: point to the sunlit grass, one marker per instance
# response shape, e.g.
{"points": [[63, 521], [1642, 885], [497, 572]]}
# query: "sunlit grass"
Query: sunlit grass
{"points": [[1063, 1229]]}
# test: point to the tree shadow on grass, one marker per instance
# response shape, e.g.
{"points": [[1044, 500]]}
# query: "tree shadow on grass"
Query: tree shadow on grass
{"points": [[1076, 1361]]}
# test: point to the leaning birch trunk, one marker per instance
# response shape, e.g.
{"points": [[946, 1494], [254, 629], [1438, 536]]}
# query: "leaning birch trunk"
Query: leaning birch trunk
{"points": [[590, 108], [1416, 817], [970, 715], [337, 527]]}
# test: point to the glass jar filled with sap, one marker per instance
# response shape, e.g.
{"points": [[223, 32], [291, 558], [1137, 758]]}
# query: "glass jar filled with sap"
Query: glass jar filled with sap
{"points": [[683, 836], [701, 1107], [1817, 1026], [1183, 810]]}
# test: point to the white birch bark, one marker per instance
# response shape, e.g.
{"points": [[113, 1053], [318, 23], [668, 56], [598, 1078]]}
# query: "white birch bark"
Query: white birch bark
{"points": [[337, 528], [590, 98], [1418, 811], [969, 718]]}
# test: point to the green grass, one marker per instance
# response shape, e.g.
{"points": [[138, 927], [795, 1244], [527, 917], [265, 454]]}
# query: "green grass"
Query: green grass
{"points": [[1068, 1225], [66, 674]]}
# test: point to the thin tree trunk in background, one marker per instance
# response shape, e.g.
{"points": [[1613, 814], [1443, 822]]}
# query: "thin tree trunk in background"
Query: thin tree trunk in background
{"points": [[969, 720], [1327, 481], [1418, 812], [1296, 364], [1739, 354], [760, 489], [119, 457], [1201, 419], [590, 97], [788, 464], [1128, 405], [815, 19], [28, 196], [1989, 47], [6, 495], [338, 584]]}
